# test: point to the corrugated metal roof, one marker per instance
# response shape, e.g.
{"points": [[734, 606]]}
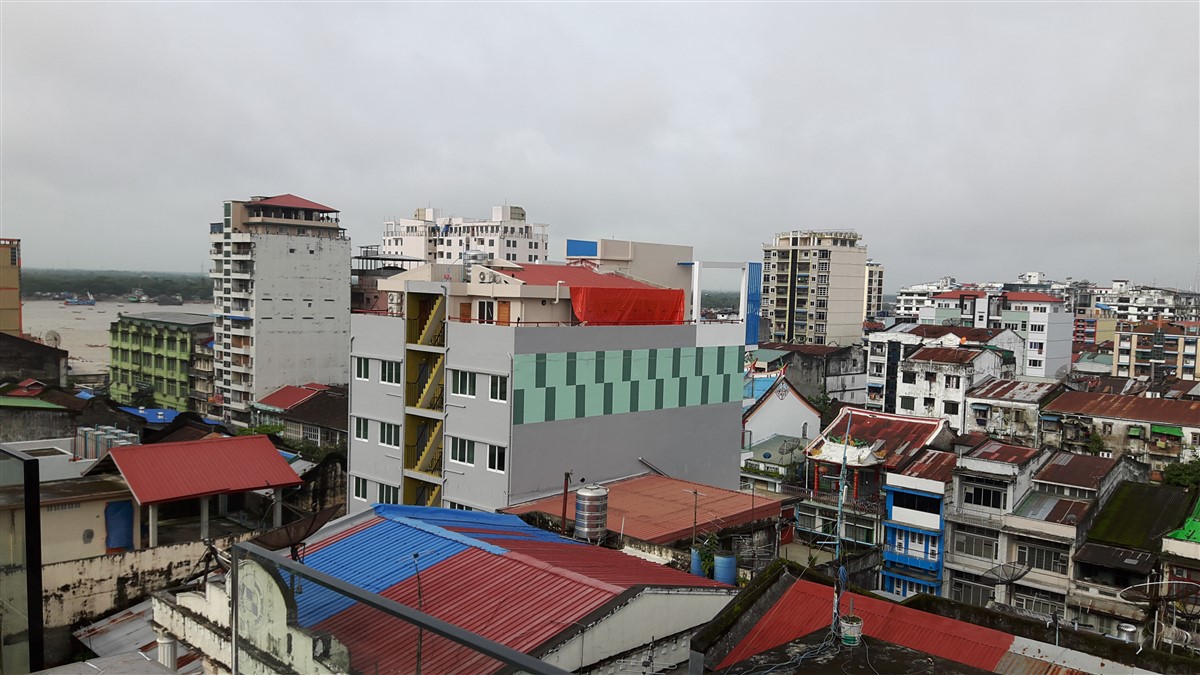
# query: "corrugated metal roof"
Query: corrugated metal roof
{"points": [[1052, 508], [1136, 408], [955, 295], [572, 276], [291, 201], [659, 509], [1030, 296], [995, 451], [753, 387], [165, 472], [287, 396], [1066, 468], [1017, 391], [27, 402], [945, 355], [969, 334], [489, 573], [899, 437], [933, 465], [806, 607], [129, 631]]}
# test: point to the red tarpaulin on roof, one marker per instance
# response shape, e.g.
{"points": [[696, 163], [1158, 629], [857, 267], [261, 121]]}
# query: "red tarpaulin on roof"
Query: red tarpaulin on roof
{"points": [[628, 306]]}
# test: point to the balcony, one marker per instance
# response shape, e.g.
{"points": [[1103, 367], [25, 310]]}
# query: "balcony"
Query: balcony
{"points": [[982, 517], [906, 556]]}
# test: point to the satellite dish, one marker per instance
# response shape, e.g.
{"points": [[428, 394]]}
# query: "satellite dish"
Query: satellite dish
{"points": [[292, 535], [1005, 573], [1062, 372], [52, 339]]}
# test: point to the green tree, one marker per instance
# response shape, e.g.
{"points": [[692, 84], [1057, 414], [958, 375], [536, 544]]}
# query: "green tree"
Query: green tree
{"points": [[1186, 474], [1095, 444]]}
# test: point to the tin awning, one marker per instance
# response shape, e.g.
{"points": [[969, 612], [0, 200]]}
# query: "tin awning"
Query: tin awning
{"points": [[1167, 430]]}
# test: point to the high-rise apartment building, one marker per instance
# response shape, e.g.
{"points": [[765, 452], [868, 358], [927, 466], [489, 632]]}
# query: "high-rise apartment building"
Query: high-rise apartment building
{"points": [[874, 295], [1156, 349], [815, 287], [281, 300], [10, 287], [910, 299], [434, 237], [153, 358], [1133, 303]]}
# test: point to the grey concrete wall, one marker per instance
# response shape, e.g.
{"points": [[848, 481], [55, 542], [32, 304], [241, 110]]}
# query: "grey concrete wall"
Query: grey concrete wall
{"points": [[23, 424], [697, 443], [592, 338], [20, 359]]}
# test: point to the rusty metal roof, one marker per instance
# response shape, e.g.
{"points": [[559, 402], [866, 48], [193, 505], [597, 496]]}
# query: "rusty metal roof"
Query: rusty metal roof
{"points": [[894, 439], [953, 355], [995, 451], [933, 465], [1016, 391], [660, 510], [1135, 408], [129, 631], [1066, 468]]}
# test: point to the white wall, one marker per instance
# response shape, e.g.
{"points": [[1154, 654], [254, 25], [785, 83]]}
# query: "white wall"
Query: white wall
{"points": [[789, 416]]}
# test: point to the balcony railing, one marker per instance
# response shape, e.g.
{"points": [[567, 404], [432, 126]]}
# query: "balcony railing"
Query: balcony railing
{"points": [[906, 556], [975, 516]]}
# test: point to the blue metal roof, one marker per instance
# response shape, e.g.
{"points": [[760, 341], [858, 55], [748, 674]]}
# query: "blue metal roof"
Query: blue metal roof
{"points": [[755, 387], [157, 415]]}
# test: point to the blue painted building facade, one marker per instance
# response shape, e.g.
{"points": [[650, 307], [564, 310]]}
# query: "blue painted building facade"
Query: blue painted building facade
{"points": [[915, 502]]}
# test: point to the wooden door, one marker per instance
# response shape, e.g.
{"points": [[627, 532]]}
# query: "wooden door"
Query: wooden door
{"points": [[502, 312], [464, 312]]}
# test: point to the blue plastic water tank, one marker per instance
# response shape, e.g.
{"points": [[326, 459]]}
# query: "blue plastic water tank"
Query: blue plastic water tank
{"points": [[725, 568], [697, 567]]}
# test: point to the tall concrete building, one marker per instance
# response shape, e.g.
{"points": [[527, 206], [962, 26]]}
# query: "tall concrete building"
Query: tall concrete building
{"points": [[432, 236], [482, 387], [10, 287], [874, 296], [153, 358], [815, 287], [281, 300]]}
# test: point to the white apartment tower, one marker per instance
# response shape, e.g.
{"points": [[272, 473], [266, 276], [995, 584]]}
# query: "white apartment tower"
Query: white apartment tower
{"points": [[815, 287], [436, 238], [281, 300]]}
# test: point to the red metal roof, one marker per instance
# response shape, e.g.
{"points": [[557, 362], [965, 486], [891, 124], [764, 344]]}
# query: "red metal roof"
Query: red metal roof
{"points": [[1135, 408], [995, 451], [292, 202], [806, 607], [982, 335], [955, 295], [902, 436], [287, 396], [659, 509], [1026, 296], [571, 276], [165, 472], [1066, 468], [933, 465], [945, 355]]}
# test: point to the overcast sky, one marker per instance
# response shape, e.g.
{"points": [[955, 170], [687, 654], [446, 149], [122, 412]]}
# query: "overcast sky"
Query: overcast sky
{"points": [[978, 140]]}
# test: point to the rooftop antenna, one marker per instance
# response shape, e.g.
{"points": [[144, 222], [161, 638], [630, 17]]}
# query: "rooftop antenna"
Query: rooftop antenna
{"points": [[840, 582]]}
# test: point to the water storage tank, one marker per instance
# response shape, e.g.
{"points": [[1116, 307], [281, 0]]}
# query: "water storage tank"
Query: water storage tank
{"points": [[1127, 632], [725, 568], [591, 513], [697, 563]]}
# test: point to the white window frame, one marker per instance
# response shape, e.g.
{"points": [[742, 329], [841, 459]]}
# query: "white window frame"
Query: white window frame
{"points": [[362, 429], [360, 489], [498, 393], [388, 494], [362, 368], [462, 451], [391, 372], [497, 452], [464, 387], [384, 427]]}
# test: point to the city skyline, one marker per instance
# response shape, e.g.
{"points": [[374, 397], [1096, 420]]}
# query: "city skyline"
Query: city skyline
{"points": [[977, 141]]}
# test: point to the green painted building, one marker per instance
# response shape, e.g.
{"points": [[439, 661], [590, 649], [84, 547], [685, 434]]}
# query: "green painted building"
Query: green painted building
{"points": [[152, 358]]}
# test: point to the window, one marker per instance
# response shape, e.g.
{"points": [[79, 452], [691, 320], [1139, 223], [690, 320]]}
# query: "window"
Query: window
{"points": [[953, 381], [908, 500], [496, 458], [979, 491], [1036, 345], [487, 309], [499, 388], [462, 451], [976, 541], [1039, 309], [389, 494], [950, 407], [362, 428], [928, 401], [312, 433], [1051, 560], [362, 368], [458, 507], [462, 383], [963, 589], [1037, 328], [360, 488], [390, 372], [1035, 363], [909, 377], [907, 402], [389, 434]]}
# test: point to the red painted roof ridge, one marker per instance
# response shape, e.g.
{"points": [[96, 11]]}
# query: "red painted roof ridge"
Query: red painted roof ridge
{"points": [[289, 200], [564, 573]]}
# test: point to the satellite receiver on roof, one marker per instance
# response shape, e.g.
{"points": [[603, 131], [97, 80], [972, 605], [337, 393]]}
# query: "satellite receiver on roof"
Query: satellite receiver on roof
{"points": [[292, 535]]}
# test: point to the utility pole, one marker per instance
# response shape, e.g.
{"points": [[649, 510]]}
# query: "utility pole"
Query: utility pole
{"points": [[566, 488], [696, 494]]}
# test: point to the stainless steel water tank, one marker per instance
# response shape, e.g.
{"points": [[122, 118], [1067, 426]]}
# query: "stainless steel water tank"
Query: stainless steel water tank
{"points": [[591, 513]]}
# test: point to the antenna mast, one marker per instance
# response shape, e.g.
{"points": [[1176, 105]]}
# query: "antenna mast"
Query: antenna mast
{"points": [[839, 581]]}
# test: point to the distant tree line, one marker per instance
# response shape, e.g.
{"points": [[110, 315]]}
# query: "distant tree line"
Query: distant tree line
{"points": [[113, 284]]}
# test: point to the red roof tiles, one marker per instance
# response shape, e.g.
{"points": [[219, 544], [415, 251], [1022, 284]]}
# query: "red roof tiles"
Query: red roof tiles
{"points": [[945, 355], [1136, 408], [806, 607], [659, 509], [287, 396], [166, 472], [292, 202]]}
